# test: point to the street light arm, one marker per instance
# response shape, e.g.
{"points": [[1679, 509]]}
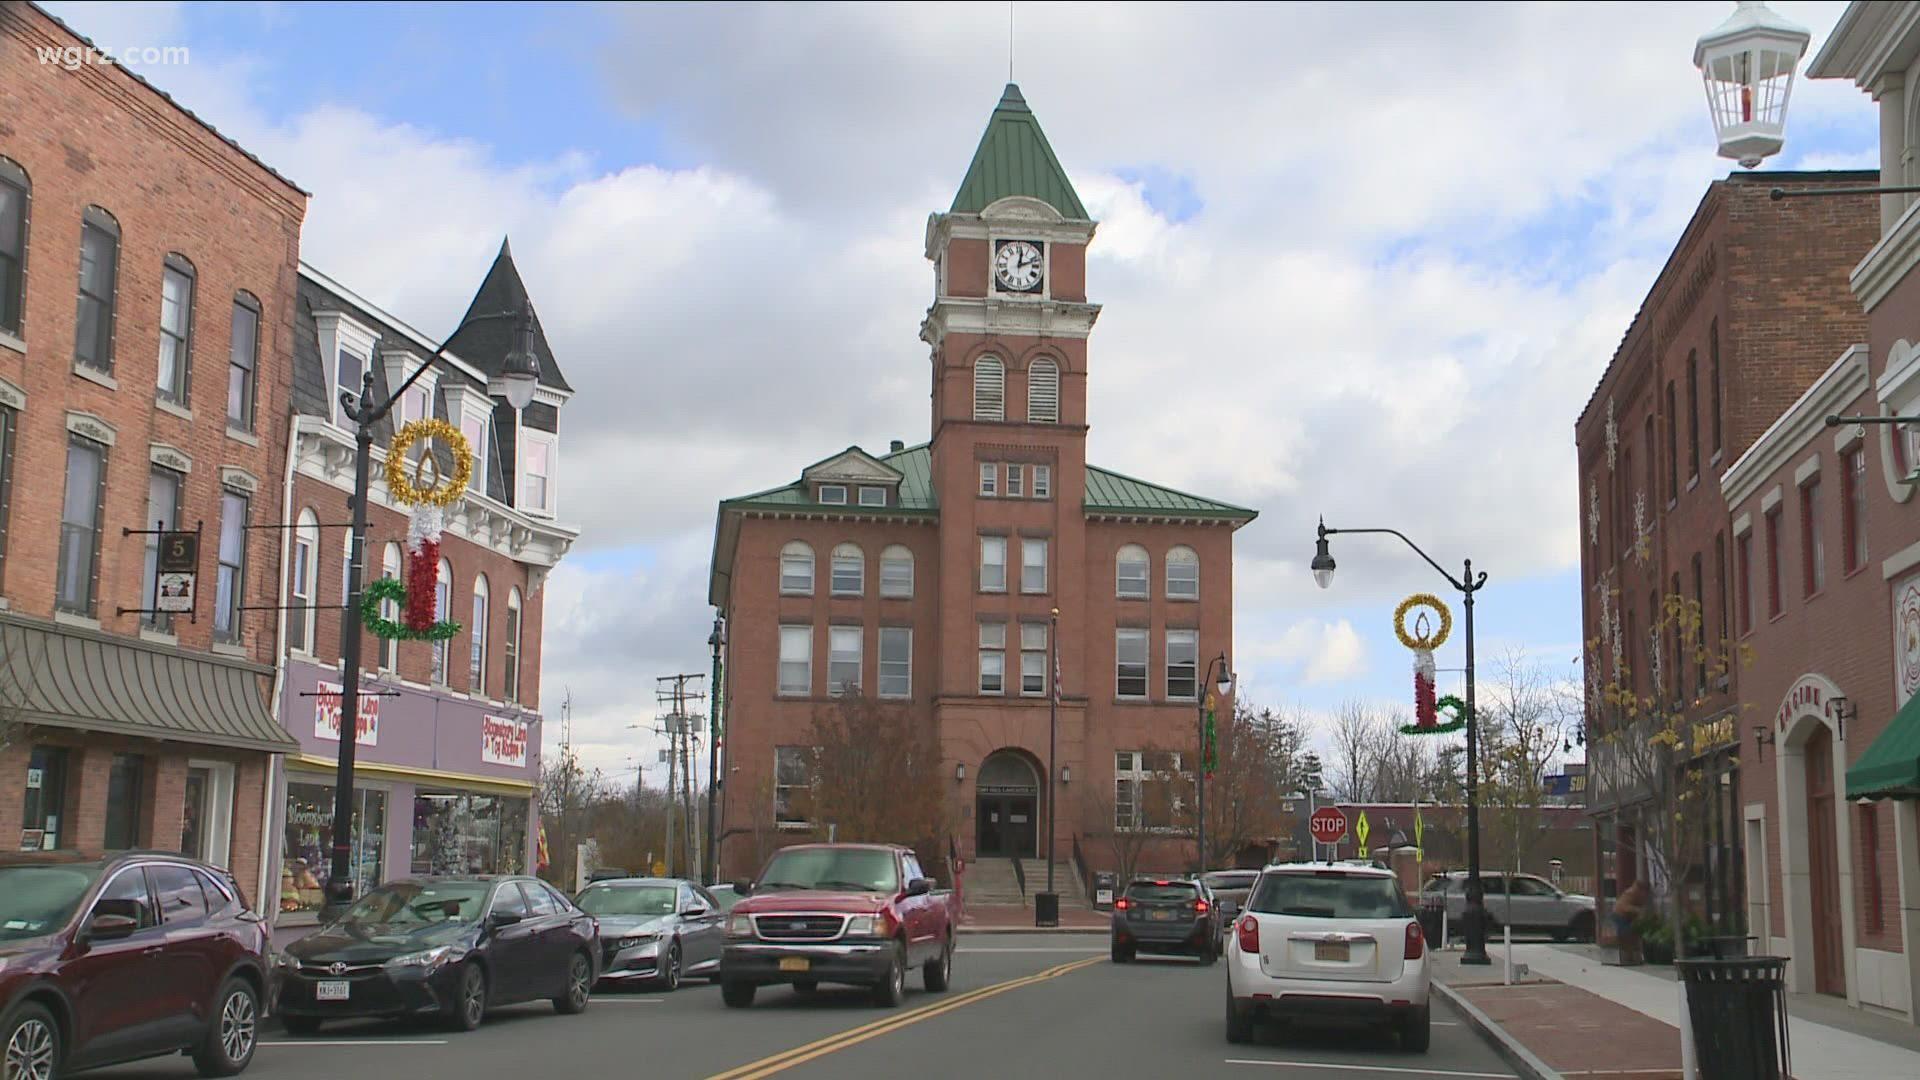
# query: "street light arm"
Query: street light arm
{"points": [[1451, 580], [385, 407], [1836, 421]]}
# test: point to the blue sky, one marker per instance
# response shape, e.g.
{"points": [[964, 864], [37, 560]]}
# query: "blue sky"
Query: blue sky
{"points": [[1408, 276]]}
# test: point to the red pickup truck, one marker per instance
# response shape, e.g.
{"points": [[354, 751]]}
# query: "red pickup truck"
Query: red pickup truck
{"points": [[856, 914]]}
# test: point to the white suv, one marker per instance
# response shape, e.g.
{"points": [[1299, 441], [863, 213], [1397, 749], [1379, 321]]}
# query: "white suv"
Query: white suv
{"points": [[1335, 942]]}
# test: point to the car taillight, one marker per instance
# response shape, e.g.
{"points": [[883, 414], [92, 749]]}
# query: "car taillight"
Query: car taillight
{"points": [[1416, 941], [1199, 907], [1249, 934], [1121, 904]]}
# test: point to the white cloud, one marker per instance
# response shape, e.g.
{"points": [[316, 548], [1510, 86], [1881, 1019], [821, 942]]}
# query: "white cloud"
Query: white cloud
{"points": [[1321, 652]]}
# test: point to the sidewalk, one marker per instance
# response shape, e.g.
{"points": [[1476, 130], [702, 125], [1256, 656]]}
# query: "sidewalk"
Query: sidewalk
{"points": [[1580, 1018], [999, 920]]}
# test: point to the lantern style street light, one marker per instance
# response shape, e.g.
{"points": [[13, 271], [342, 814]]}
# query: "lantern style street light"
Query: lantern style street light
{"points": [[1747, 64]]}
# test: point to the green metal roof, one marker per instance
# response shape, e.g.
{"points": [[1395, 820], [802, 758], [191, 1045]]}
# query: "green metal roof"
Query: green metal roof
{"points": [[915, 465], [1014, 159], [1109, 492], [1891, 766]]}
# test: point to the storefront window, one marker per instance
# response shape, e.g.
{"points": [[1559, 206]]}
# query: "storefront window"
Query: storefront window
{"points": [[40, 822], [124, 783], [306, 857], [459, 833]]}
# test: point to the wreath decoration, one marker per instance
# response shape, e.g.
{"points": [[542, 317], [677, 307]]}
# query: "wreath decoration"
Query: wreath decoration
{"points": [[1423, 639], [1419, 639], [429, 495]]}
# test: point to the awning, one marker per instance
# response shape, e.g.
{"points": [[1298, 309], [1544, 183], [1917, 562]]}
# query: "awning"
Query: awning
{"points": [[81, 678], [1890, 769]]}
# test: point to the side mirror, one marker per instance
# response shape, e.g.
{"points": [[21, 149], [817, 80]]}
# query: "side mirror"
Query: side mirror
{"points": [[504, 918], [106, 927], [743, 887], [695, 912], [919, 886]]}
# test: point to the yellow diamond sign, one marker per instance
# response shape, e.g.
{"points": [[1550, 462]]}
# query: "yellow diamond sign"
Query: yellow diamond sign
{"points": [[1360, 831]]}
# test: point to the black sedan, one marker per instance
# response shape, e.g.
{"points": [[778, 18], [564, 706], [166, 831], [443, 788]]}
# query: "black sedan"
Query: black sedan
{"points": [[449, 946]]}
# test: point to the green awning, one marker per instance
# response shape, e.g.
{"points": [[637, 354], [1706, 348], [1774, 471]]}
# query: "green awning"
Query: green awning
{"points": [[1890, 769]]}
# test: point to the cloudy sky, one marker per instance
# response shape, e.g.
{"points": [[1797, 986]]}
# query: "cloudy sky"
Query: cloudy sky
{"points": [[1363, 261]]}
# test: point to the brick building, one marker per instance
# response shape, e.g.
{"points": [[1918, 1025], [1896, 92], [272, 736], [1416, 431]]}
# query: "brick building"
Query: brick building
{"points": [[154, 393], [448, 754], [1749, 310], [927, 575]]}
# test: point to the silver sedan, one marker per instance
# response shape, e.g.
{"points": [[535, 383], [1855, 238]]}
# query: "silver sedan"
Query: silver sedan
{"points": [[655, 930]]}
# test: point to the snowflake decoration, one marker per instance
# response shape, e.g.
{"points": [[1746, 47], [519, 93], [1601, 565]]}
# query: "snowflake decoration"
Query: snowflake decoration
{"points": [[1593, 516], [1642, 528], [1613, 437], [1655, 661], [1610, 626]]}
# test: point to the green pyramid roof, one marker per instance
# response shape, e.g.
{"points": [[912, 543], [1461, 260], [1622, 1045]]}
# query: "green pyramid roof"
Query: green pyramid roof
{"points": [[1015, 159]]}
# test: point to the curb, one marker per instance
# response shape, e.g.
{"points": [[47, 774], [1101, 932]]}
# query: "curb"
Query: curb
{"points": [[1523, 1060]]}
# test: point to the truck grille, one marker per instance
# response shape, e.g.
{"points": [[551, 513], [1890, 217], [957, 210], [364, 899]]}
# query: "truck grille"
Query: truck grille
{"points": [[799, 927]]}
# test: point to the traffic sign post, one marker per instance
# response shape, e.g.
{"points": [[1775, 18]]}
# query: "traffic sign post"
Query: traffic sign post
{"points": [[1328, 826]]}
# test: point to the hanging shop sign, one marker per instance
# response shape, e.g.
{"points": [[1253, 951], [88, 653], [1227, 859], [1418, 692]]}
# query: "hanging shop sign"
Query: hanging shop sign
{"points": [[503, 741], [326, 716], [179, 559]]}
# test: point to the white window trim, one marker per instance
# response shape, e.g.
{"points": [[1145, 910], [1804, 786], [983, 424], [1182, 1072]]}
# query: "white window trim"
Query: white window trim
{"points": [[1046, 558], [468, 404], [989, 480], [528, 437], [1016, 481], [867, 489], [304, 590], [813, 572], [1004, 555], [880, 662], [1042, 482], [216, 832], [1146, 588], [338, 333], [1167, 662], [390, 647], [839, 489], [780, 660], [909, 561], [794, 823], [982, 650], [1146, 635], [837, 687], [833, 584]]}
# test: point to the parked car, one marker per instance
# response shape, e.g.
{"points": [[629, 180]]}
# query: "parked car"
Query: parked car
{"points": [[1528, 904], [131, 956], [606, 873], [1230, 889], [1166, 915], [455, 946], [654, 929], [856, 914], [1328, 942]]}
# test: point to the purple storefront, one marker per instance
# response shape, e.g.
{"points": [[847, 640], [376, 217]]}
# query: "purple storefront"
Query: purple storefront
{"points": [[443, 785]]}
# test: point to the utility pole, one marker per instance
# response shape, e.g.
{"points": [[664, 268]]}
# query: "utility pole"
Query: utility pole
{"points": [[672, 693]]}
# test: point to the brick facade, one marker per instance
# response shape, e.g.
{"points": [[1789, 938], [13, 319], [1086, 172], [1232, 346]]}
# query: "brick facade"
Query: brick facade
{"points": [[98, 137]]}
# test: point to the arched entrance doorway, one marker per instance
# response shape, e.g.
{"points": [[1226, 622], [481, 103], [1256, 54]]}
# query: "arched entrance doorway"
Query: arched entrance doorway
{"points": [[1823, 864], [1007, 814]]}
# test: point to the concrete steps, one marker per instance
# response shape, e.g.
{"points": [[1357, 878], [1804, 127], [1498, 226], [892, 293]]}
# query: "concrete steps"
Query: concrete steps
{"points": [[991, 883]]}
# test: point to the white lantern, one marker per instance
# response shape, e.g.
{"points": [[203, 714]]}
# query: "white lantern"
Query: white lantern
{"points": [[1747, 63]]}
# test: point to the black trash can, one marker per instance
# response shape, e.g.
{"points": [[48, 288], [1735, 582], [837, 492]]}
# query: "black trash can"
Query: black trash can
{"points": [[1432, 918], [1046, 909], [1738, 1008]]}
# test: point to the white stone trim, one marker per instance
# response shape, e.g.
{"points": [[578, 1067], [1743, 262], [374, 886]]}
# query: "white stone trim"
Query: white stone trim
{"points": [[319, 277], [88, 426], [12, 396], [340, 332], [1847, 438], [1806, 471], [1901, 561], [1033, 218], [1889, 261], [168, 456], [1883, 979], [240, 480], [1759, 867], [170, 408], [1743, 525], [1899, 383], [400, 363], [1797, 428], [1906, 840], [997, 315], [1772, 499]]}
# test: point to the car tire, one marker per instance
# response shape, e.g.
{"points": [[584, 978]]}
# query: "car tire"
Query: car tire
{"points": [[234, 1033], [1239, 1022], [1416, 1030], [669, 980], [30, 1043], [737, 995], [469, 1005], [1122, 954], [300, 1025], [938, 973], [579, 986], [892, 988]]}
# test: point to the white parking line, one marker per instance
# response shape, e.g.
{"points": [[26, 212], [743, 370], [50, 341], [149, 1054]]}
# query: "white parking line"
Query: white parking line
{"points": [[1368, 1068], [353, 1042]]}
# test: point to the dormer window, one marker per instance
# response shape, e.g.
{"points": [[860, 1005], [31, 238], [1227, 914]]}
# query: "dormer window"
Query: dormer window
{"points": [[472, 410], [872, 496], [833, 494], [347, 346]]}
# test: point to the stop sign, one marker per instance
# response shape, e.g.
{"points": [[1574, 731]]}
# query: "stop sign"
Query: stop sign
{"points": [[1328, 825]]}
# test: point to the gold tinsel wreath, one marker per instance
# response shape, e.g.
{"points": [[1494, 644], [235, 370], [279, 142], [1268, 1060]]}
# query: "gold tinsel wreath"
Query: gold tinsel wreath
{"points": [[1417, 600], [442, 495]]}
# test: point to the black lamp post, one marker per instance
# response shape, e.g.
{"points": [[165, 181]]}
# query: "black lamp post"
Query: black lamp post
{"points": [[1476, 913], [1200, 767], [519, 375], [715, 641]]}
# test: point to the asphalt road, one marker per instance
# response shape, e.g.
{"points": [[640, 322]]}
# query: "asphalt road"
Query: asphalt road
{"points": [[1022, 1005]]}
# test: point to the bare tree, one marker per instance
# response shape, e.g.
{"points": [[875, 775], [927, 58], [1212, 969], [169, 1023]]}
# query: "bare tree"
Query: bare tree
{"points": [[568, 792], [1522, 726], [1358, 736], [1257, 761], [1402, 765], [874, 775], [1152, 805]]}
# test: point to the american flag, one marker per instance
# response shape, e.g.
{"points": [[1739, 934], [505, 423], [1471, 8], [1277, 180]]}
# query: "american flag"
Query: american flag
{"points": [[1056, 677]]}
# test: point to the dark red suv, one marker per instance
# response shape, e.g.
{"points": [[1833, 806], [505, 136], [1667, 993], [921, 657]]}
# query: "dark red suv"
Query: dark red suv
{"points": [[128, 956]]}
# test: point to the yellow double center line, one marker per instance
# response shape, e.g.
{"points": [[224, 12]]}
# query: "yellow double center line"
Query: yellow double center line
{"points": [[800, 1055]]}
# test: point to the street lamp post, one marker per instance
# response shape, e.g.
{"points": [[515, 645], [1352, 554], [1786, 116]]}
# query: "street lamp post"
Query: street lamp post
{"points": [[1200, 767], [519, 375], [715, 641], [1476, 913]]}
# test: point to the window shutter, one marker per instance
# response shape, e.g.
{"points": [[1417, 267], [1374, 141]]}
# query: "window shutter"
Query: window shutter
{"points": [[1043, 392], [989, 389]]}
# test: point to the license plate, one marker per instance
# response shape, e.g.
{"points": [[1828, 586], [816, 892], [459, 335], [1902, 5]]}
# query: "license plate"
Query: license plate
{"points": [[332, 991], [1163, 915], [1335, 951], [794, 963]]}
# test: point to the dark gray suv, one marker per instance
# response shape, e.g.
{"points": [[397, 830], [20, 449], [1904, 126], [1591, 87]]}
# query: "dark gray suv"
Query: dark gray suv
{"points": [[1166, 915]]}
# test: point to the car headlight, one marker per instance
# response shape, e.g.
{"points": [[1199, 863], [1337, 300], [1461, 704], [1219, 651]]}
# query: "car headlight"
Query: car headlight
{"points": [[282, 960], [860, 926], [631, 940], [426, 958], [739, 926]]}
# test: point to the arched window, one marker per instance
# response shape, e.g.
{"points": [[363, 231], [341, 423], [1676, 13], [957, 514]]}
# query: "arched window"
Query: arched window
{"points": [[176, 324], [477, 656], [1043, 392], [896, 572], [99, 277], [796, 568], [1183, 573], [389, 609], [849, 573], [989, 389], [14, 191], [442, 609], [510, 678], [1132, 572], [302, 578]]}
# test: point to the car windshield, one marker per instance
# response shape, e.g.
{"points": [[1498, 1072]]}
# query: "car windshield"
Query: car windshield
{"points": [[416, 903], [1227, 880], [858, 869], [1330, 894], [37, 900], [1178, 892], [615, 901]]}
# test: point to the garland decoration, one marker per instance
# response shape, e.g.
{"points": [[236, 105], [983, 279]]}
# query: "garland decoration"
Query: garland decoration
{"points": [[430, 496], [1423, 639], [1449, 706], [1210, 748]]}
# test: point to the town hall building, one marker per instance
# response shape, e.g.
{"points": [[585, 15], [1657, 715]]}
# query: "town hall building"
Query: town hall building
{"points": [[928, 577]]}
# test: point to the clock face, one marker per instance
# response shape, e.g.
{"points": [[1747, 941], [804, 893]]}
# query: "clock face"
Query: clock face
{"points": [[1016, 266]]}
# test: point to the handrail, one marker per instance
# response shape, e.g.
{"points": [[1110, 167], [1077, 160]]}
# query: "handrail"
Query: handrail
{"points": [[1080, 867], [1020, 875]]}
